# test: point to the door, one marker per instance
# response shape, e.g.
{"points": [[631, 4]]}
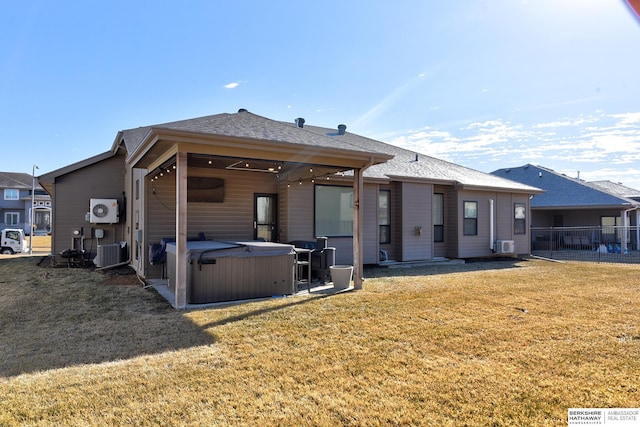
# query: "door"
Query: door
{"points": [[265, 219]]}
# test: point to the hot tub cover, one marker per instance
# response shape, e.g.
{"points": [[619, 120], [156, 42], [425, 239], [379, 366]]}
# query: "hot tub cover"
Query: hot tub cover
{"points": [[239, 249]]}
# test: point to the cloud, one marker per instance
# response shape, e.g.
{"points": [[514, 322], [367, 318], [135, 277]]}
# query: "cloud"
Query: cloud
{"points": [[232, 85], [594, 144]]}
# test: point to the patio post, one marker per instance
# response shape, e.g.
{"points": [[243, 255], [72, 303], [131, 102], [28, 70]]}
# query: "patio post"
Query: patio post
{"points": [[181, 230], [358, 247]]}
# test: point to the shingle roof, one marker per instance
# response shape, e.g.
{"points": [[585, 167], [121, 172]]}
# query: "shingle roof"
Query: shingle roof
{"points": [[409, 164], [616, 189], [244, 125], [561, 190], [16, 180], [404, 165]]}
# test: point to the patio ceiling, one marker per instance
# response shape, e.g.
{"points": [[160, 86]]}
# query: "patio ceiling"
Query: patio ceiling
{"points": [[289, 172]]}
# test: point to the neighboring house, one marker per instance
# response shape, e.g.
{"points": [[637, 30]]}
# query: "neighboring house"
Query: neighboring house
{"points": [[15, 203], [571, 202], [616, 189], [282, 182]]}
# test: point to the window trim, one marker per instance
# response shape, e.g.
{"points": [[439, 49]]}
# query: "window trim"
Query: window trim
{"points": [[438, 226], [466, 219], [8, 191], [8, 214], [519, 224], [384, 226]]}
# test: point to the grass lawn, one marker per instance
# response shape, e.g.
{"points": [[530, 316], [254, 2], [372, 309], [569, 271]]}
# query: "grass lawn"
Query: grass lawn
{"points": [[503, 343]]}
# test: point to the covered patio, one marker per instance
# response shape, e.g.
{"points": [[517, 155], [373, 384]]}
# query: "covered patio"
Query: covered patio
{"points": [[167, 163]]}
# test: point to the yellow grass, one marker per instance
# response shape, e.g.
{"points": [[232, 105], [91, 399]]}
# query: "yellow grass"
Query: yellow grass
{"points": [[506, 343], [41, 243]]}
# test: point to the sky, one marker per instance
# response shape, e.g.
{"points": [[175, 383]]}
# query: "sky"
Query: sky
{"points": [[485, 84]]}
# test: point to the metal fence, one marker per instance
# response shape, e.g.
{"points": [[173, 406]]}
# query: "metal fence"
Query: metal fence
{"points": [[595, 244]]}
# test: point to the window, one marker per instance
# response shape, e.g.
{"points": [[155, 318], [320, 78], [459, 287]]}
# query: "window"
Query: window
{"points": [[333, 211], [438, 217], [11, 194], [137, 191], [470, 225], [611, 228], [12, 218], [384, 216], [519, 218], [610, 221]]}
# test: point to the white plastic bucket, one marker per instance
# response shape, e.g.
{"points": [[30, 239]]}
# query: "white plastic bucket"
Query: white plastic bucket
{"points": [[341, 276]]}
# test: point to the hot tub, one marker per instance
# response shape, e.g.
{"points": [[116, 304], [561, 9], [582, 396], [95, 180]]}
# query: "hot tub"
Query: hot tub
{"points": [[226, 271]]}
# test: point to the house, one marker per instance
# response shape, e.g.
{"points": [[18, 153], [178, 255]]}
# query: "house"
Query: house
{"points": [[243, 177], [571, 202], [16, 203]]}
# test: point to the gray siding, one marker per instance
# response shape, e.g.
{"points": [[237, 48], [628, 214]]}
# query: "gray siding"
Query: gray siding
{"points": [[411, 217], [300, 222], [135, 216], [284, 216], [440, 248], [370, 226], [478, 245], [417, 224], [505, 221], [230, 220], [299, 212], [452, 225], [71, 201]]}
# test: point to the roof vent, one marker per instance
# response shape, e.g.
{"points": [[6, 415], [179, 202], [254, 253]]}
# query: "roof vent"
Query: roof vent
{"points": [[243, 110], [342, 129], [300, 122]]}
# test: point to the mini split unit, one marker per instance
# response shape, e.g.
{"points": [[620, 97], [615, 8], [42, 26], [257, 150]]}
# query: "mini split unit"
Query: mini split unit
{"points": [[103, 211], [505, 247]]}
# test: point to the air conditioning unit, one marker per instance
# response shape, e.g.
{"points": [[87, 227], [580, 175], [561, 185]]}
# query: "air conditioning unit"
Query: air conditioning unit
{"points": [[505, 247], [108, 255], [103, 211]]}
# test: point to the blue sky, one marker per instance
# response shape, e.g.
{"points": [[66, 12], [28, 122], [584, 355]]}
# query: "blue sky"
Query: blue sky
{"points": [[485, 84]]}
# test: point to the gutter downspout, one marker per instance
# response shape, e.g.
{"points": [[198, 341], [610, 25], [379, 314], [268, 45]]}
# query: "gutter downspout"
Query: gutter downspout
{"points": [[491, 231]]}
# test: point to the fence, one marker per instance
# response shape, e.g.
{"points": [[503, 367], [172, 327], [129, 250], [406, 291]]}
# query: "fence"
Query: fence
{"points": [[596, 244]]}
